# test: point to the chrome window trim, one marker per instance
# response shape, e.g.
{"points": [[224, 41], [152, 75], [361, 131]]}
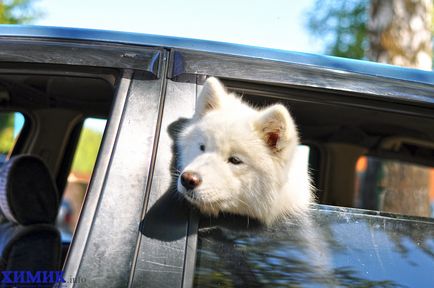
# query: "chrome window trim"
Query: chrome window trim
{"points": [[81, 54], [191, 66], [304, 59]]}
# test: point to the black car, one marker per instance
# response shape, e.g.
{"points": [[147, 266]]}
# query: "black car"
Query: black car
{"points": [[358, 122]]}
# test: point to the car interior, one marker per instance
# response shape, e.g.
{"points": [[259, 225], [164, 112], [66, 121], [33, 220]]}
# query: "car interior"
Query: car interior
{"points": [[55, 102], [29, 202], [342, 130]]}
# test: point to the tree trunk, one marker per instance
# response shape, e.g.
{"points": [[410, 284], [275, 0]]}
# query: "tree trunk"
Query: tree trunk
{"points": [[400, 34]]}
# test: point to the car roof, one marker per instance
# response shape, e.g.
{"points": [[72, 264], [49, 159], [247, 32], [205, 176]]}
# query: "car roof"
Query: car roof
{"points": [[323, 61]]}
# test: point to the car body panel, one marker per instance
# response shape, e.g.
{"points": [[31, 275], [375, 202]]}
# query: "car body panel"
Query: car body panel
{"points": [[113, 234], [79, 54], [189, 65], [161, 249]]}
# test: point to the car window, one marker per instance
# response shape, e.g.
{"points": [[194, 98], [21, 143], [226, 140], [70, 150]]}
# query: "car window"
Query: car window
{"points": [[394, 186], [333, 247], [11, 124], [79, 177], [302, 156]]}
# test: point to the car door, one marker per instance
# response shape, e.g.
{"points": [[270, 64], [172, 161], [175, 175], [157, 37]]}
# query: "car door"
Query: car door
{"points": [[107, 236], [105, 242], [333, 246]]}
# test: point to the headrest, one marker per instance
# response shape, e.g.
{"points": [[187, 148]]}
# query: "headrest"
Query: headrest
{"points": [[28, 194]]}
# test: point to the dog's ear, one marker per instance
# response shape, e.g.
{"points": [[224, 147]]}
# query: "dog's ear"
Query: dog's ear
{"points": [[210, 97], [276, 127]]}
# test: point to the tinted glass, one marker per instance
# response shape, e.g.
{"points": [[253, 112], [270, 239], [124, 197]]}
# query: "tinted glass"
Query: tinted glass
{"points": [[394, 186], [334, 247]]}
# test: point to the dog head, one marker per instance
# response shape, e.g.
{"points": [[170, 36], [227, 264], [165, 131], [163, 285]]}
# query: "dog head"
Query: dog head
{"points": [[232, 157]]}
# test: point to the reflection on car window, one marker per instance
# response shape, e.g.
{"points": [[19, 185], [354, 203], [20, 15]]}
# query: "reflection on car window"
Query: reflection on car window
{"points": [[395, 186], [79, 177], [334, 247], [11, 124]]}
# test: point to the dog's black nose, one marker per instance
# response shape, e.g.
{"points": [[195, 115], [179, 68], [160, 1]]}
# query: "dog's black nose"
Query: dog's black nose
{"points": [[190, 180]]}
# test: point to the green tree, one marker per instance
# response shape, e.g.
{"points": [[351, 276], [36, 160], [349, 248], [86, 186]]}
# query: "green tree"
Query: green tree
{"points": [[13, 12], [87, 151], [6, 132], [342, 25], [348, 28], [17, 12]]}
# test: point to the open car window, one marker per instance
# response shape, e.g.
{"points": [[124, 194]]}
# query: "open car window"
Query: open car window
{"points": [[79, 176], [335, 247]]}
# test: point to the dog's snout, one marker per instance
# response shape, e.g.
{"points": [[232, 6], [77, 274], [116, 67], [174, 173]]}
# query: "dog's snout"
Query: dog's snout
{"points": [[190, 180]]}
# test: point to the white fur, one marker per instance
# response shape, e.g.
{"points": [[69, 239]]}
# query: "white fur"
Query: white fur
{"points": [[267, 185]]}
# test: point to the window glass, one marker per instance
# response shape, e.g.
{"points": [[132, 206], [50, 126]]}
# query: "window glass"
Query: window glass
{"points": [[394, 186], [80, 174], [11, 124], [332, 247]]}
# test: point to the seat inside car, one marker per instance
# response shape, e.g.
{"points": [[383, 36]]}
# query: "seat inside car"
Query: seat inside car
{"points": [[29, 202]]}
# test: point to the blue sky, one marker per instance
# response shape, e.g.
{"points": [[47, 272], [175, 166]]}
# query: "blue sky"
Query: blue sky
{"points": [[275, 24]]}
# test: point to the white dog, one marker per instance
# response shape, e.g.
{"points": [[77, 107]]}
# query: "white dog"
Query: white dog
{"points": [[237, 159]]}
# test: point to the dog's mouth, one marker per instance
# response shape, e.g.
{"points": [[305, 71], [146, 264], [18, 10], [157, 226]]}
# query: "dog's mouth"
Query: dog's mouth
{"points": [[206, 206], [198, 198], [201, 197]]}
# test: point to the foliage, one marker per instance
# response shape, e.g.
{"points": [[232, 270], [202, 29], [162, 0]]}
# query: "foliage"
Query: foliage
{"points": [[17, 12], [6, 132], [13, 12], [342, 24], [86, 152]]}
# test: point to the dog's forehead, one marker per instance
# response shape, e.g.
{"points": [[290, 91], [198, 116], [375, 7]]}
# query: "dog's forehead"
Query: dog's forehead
{"points": [[227, 123], [223, 133]]}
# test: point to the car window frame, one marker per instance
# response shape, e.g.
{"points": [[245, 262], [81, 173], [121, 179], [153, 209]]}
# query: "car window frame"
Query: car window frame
{"points": [[97, 210], [165, 74], [141, 65]]}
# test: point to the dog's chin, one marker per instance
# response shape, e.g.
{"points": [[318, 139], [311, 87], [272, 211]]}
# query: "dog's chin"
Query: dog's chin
{"points": [[206, 207]]}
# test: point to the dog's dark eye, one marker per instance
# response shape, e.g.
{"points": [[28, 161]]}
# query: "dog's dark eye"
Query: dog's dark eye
{"points": [[202, 147], [234, 160]]}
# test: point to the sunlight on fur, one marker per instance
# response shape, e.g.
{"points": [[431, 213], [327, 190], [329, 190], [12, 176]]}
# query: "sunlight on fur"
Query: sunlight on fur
{"points": [[237, 159]]}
